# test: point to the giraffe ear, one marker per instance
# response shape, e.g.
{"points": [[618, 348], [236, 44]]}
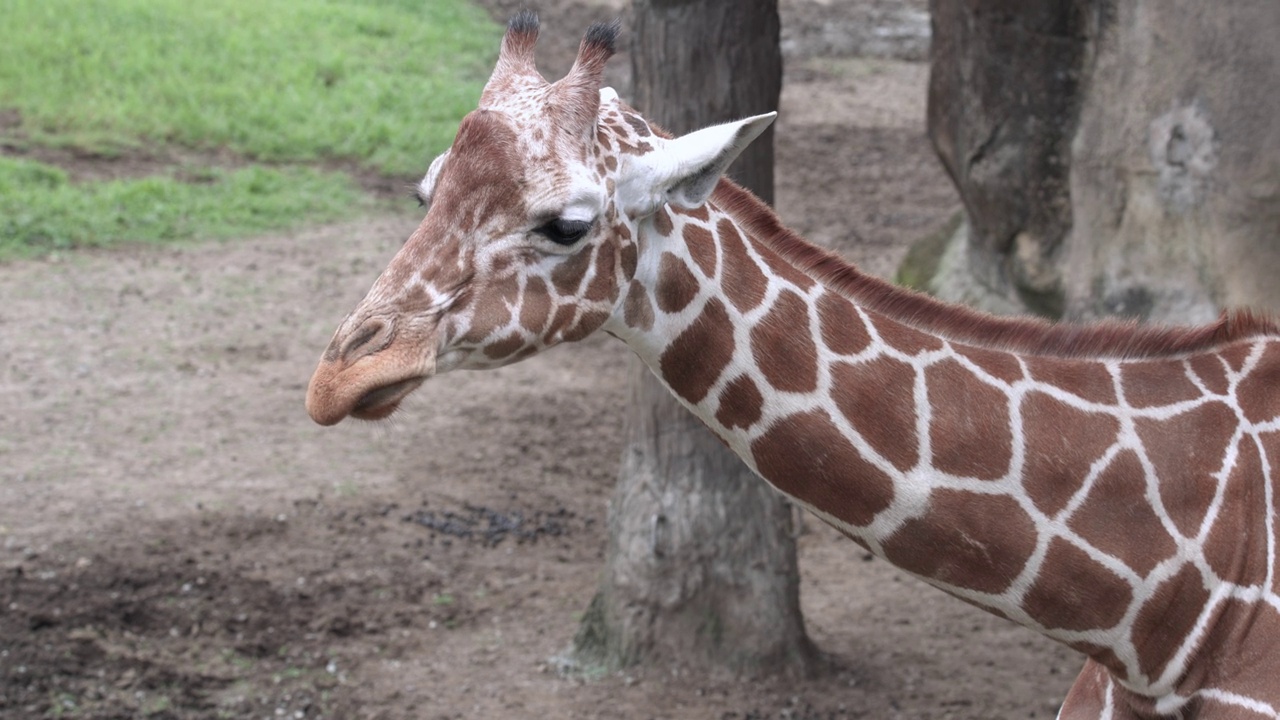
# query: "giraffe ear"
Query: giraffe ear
{"points": [[427, 187], [684, 171]]}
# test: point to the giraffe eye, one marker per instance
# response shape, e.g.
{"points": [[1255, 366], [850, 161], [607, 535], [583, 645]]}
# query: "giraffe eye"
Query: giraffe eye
{"points": [[564, 232]]}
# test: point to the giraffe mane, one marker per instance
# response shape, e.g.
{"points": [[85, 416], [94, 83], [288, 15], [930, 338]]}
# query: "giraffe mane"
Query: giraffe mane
{"points": [[1034, 336]]}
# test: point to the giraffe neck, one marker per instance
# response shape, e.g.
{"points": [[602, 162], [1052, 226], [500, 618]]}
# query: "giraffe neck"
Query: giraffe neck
{"points": [[1026, 484]]}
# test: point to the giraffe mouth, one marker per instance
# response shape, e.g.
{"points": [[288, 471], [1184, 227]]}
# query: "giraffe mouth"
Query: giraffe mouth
{"points": [[381, 402], [360, 392]]}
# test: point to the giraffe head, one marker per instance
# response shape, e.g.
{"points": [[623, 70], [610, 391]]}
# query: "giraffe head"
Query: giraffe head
{"points": [[531, 233]]}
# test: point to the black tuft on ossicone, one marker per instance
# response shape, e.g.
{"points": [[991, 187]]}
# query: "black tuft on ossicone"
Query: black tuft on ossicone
{"points": [[603, 35], [523, 22]]}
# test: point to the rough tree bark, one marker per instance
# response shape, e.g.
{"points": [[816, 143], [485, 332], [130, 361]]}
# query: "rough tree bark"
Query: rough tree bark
{"points": [[1113, 157], [701, 565]]}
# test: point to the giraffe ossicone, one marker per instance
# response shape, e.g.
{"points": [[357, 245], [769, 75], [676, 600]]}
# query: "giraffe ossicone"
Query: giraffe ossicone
{"points": [[1111, 486]]}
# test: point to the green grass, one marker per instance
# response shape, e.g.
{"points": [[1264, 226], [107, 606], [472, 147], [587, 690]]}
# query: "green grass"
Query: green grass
{"points": [[42, 211], [380, 81]]}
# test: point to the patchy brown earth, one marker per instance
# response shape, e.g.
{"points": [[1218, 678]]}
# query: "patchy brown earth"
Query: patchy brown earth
{"points": [[178, 540]]}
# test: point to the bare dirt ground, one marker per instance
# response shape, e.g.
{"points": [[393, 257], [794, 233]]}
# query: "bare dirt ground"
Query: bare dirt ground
{"points": [[180, 541]]}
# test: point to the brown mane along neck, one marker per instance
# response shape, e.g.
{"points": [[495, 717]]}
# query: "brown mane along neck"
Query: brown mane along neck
{"points": [[1025, 335]]}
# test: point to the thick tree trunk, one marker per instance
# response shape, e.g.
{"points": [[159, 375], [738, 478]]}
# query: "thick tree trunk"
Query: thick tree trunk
{"points": [[701, 566], [1175, 167], [1114, 157], [1003, 96]]}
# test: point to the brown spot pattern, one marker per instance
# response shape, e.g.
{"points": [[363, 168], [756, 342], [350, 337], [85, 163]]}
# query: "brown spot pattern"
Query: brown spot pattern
{"points": [[1085, 379], [1210, 371], [693, 361], [902, 338], [501, 264], [970, 431], [1270, 443], [559, 322], [1117, 519], [740, 404], [677, 287], [1001, 365], [1246, 635], [484, 172], [781, 268], [639, 148], [662, 222], [889, 428], [783, 347], [535, 309], [568, 274], [587, 324], [1186, 450], [1237, 545], [500, 349], [697, 213], [1076, 592], [842, 328], [1259, 391], [1061, 445], [493, 313], [1165, 619], [638, 311], [640, 126], [1156, 382], [603, 281], [415, 301], [629, 259], [702, 248], [743, 280], [806, 456], [980, 542], [1235, 355]]}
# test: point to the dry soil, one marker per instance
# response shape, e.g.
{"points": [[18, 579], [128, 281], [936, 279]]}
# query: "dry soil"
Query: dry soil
{"points": [[180, 541]]}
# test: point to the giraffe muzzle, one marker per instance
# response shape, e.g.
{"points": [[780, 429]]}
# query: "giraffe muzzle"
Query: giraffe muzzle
{"points": [[369, 383], [382, 402], [362, 391]]}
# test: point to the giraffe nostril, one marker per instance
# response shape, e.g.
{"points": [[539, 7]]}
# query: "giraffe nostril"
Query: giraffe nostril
{"points": [[370, 337]]}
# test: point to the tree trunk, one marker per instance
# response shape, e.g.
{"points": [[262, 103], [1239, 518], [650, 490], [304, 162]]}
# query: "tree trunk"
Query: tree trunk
{"points": [[1114, 157], [701, 565]]}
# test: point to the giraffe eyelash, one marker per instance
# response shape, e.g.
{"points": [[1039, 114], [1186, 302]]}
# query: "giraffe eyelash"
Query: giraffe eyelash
{"points": [[416, 193]]}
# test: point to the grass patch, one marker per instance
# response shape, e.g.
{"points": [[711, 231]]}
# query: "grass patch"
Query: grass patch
{"points": [[380, 81], [42, 211]]}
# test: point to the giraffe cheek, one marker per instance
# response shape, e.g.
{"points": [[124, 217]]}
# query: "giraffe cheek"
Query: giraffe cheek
{"points": [[560, 324], [505, 347], [491, 312], [535, 306], [485, 322], [603, 287], [572, 324]]}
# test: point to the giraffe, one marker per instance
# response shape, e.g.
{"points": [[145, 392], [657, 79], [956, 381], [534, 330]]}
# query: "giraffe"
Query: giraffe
{"points": [[1110, 485]]}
